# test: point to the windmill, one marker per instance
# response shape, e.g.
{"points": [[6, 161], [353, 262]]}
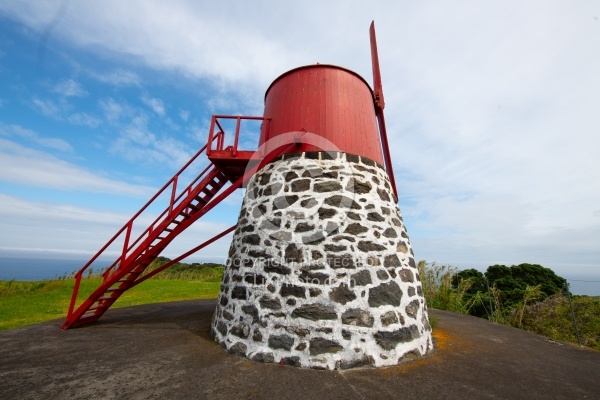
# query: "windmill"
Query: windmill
{"points": [[320, 272]]}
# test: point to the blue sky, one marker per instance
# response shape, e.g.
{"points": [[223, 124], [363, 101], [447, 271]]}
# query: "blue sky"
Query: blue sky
{"points": [[492, 113]]}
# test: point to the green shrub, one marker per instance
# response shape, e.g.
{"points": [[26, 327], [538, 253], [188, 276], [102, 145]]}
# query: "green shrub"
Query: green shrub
{"points": [[526, 296], [552, 318]]}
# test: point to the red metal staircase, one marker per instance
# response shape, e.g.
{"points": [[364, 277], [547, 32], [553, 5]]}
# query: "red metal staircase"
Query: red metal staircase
{"points": [[226, 164]]}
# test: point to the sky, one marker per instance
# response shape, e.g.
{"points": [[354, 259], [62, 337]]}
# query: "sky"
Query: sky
{"points": [[492, 110]]}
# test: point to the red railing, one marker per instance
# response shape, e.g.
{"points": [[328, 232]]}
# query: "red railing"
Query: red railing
{"points": [[128, 227], [214, 123], [175, 198]]}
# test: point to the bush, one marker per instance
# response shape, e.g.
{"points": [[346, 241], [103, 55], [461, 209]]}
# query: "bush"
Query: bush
{"points": [[526, 296], [513, 282], [552, 318]]}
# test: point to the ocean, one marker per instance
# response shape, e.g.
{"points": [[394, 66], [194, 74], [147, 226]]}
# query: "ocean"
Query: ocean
{"points": [[35, 269]]}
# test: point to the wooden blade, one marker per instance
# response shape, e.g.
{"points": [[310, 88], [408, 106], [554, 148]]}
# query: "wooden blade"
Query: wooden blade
{"points": [[377, 87], [379, 106]]}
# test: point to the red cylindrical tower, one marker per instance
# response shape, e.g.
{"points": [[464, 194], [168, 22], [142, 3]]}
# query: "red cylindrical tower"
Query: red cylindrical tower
{"points": [[329, 101]]}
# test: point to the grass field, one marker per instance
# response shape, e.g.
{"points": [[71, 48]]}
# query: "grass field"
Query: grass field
{"points": [[26, 303]]}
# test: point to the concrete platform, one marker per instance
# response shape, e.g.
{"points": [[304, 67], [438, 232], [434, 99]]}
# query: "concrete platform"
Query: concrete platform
{"points": [[163, 351]]}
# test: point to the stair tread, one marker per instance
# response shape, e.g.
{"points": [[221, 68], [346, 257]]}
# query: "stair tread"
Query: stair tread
{"points": [[147, 250], [97, 307], [209, 191]]}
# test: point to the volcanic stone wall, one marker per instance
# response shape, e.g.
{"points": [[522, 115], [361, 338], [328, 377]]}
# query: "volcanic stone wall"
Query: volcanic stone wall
{"points": [[320, 271]]}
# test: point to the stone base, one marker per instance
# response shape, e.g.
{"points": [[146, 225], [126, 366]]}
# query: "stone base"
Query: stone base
{"points": [[320, 271]]}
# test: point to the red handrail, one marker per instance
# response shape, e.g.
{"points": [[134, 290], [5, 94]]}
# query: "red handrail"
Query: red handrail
{"points": [[174, 198], [128, 227], [165, 213], [214, 123]]}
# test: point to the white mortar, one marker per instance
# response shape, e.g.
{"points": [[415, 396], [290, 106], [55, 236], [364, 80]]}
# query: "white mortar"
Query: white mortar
{"points": [[259, 268]]}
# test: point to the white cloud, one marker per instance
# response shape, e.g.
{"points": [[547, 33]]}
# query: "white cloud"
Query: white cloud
{"points": [[43, 226], [491, 107], [47, 107], [19, 131], [197, 39], [26, 166], [118, 77], [62, 111], [85, 119], [183, 114], [137, 143], [492, 113], [113, 110], [155, 104], [69, 88]]}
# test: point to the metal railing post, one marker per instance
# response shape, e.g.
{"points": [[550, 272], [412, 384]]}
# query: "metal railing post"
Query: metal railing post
{"points": [[126, 241], [487, 283], [210, 135], [173, 193], [572, 313], [237, 136], [75, 293]]}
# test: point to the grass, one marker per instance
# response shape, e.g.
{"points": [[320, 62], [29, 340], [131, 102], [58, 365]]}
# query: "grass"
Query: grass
{"points": [[26, 303], [437, 287]]}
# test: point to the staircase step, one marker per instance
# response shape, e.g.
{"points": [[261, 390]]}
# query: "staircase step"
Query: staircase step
{"points": [[210, 192], [89, 316], [107, 298], [98, 307], [115, 290], [133, 272]]}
